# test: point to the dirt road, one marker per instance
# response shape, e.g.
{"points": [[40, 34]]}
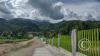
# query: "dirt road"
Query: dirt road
{"points": [[26, 51]]}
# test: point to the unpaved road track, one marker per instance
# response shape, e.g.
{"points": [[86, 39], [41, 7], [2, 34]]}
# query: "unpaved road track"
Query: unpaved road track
{"points": [[27, 51], [22, 52]]}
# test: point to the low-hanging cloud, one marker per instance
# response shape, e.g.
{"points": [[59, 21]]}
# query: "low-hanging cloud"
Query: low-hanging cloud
{"points": [[3, 9], [46, 9], [78, 1], [52, 10]]}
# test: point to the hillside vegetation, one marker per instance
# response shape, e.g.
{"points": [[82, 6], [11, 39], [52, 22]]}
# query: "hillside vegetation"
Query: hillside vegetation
{"points": [[27, 25]]}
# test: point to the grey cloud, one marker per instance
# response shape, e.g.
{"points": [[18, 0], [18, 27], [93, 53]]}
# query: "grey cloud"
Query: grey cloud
{"points": [[3, 9], [6, 13], [78, 1], [90, 17], [98, 0], [7, 16], [45, 7]]}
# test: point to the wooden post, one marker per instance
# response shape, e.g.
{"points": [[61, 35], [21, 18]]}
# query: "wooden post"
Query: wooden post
{"points": [[73, 37], [59, 40], [59, 44]]}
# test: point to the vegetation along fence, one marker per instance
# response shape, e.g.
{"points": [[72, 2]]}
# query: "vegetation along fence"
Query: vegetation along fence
{"points": [[86, 42], [63, 41]]}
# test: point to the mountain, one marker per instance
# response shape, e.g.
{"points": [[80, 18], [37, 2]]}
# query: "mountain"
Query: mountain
{"points": [[18, 24], [28, 25], [2, 20], [65, 27]]}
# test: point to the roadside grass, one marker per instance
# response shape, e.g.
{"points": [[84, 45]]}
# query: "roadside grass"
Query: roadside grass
{"points": [[65, 42], [11, 40]]}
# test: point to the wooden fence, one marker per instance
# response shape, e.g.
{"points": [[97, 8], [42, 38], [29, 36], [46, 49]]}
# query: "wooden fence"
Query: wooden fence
{"points": [[86, 42]]}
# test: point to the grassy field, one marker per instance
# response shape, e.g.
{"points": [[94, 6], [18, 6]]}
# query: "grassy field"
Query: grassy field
{"points": [[65, 42]]}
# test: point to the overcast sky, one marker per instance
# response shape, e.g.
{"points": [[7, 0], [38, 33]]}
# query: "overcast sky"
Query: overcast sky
{"points": [[51, 10]]}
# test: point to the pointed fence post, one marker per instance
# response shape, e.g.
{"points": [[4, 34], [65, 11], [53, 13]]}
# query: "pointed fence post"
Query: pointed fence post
{"points": [[73, 37]]}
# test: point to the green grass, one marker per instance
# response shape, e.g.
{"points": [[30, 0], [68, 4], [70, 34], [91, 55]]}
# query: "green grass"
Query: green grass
{"points": [[65, 42], [11, 40]]}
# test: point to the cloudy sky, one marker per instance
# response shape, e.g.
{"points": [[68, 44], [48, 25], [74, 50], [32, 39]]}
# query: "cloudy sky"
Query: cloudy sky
{"points": [[50, 10]]}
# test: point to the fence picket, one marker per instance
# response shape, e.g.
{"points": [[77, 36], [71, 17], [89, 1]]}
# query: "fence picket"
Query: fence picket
{"points": [[98, 41], [89, 38]]}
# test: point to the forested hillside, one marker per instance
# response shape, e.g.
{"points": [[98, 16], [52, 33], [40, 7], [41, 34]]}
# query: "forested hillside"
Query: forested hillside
{"points": [[18, 25], [27, 25], [67, 26]]}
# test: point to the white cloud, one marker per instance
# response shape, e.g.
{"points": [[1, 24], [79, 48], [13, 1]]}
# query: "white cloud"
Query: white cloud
{"points": [[57, 4], [81, 10], [18, 3], [21, 8]]}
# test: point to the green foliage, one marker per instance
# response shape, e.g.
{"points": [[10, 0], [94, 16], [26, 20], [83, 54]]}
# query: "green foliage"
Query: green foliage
{"points": [[65, 27], [26, 25], [65, 42], [18, 25]]}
